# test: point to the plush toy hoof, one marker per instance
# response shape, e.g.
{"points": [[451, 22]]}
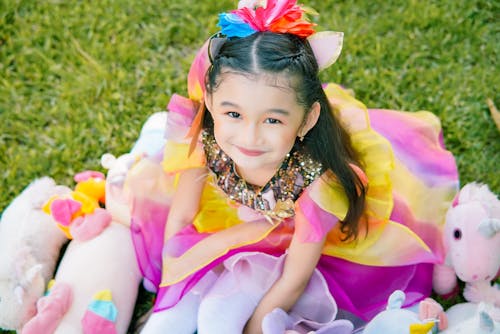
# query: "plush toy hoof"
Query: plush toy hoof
{"points": [[51, 310]]}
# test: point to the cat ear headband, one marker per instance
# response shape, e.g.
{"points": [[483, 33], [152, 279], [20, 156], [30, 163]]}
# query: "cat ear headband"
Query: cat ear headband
{"points": [[279, 16]]}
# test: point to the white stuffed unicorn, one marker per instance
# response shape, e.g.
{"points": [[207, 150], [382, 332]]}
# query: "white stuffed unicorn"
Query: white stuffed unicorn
{"points": [[30, 244], [472, 241]]}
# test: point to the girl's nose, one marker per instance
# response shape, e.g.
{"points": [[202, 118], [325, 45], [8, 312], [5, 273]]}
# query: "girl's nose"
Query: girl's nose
{"points": [[251, 134]]}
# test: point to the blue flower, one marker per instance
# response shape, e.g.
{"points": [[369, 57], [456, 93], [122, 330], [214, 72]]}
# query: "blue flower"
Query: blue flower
{"points": [[234, 26]]}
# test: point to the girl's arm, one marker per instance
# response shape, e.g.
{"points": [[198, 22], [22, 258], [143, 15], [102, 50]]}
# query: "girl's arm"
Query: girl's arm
{"points": [[186, 200], [300, 262]]}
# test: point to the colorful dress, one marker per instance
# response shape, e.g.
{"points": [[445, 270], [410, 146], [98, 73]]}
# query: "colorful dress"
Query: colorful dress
{"points": [[411, 179]]}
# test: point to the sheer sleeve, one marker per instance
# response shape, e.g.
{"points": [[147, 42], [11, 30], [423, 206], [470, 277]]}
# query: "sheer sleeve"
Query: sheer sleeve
{"points": [[319, 208], [176, 157]]}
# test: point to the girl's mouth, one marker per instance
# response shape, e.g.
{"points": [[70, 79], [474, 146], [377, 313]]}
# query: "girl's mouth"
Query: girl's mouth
{"points": [[251, 153]]}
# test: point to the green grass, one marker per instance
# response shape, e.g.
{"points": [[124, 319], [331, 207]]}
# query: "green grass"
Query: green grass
{"points": [[78, 78]]}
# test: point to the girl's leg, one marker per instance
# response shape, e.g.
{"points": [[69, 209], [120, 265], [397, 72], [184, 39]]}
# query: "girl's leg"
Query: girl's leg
{"points": [[182, 318], [179, 319], [225, 314], [232, 299]]}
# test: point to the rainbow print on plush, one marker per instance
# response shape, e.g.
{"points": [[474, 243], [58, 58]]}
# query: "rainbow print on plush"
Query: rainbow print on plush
{"points": [[101, 314]]}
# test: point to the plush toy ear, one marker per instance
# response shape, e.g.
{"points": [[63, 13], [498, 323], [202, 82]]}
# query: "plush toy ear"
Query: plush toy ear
{"points": [[455, 200], [396, 300], [486, 322], [489, 227], [326, 46]]}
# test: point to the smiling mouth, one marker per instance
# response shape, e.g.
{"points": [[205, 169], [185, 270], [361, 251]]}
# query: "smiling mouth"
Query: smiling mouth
{"points": [[251, 153]]}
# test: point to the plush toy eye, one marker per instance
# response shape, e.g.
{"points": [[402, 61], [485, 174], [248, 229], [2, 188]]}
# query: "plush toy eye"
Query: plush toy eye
{"points": [[457, 234]]}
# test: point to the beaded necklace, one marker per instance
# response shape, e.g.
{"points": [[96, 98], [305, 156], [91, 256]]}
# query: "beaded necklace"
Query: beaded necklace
{"points": [[296, 172]]}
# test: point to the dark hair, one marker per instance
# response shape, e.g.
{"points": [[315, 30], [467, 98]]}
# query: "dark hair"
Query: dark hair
{"points": [[327, 142]]}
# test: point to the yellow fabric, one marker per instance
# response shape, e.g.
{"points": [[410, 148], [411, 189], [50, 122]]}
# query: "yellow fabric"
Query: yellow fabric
{"points": [[378, 236], [375, 151], [423, 204], [175, 269], [176, 157], [329, 195], [216, 211]]}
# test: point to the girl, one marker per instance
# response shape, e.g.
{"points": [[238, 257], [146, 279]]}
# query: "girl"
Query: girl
{"points": [[268, 202]]}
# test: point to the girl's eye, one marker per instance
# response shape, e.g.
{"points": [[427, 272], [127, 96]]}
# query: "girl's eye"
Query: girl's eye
{"points": [[233, 114], [273, 121]]}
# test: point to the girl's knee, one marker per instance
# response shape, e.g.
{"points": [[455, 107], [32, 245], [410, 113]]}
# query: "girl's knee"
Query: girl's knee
{"points": [[224, 315], [180, 319]]}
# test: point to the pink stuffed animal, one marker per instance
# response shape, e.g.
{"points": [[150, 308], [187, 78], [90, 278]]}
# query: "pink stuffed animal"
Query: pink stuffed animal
{"points": [[472, 241]]}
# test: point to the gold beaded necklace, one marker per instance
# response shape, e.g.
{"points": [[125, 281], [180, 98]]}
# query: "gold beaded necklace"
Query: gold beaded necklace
{"points": [[296, 172]]}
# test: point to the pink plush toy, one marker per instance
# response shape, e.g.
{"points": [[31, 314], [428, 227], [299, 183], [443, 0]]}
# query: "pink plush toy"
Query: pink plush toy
{"points": [[472, 240]]}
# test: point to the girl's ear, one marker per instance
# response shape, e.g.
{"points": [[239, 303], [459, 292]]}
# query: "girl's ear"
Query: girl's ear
{"points": [[311, 119], [208, 100]]}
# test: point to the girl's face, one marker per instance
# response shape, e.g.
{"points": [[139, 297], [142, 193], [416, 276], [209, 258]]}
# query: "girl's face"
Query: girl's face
{"points": [[256, 122]]}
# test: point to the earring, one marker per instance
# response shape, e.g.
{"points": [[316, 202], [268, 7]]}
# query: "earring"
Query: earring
{"points": [[301, 138]]}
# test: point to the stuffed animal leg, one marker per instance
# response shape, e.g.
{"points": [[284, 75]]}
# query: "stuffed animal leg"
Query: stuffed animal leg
{"points": [[51, 309], [30, 244], [472, 318], [103, 276]]}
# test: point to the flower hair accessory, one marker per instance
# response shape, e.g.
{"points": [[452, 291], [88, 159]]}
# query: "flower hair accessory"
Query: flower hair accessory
{"points": [[278, 16]]}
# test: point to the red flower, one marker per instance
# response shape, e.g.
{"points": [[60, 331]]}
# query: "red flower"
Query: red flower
{"points": [[280, 16]]}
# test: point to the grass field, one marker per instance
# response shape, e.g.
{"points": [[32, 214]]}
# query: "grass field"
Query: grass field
{"points": [[78, 78]]}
